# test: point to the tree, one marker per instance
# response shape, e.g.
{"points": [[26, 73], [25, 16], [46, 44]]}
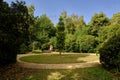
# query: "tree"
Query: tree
{"points": [[70, 28], [110, 52], [64, 16], [43, 31], [31, 10], [25, 47], [82, 23], [115, 18], [60, 35], [70, 45], [97, 22], [107, 32], [14, 24], [87, 43]]}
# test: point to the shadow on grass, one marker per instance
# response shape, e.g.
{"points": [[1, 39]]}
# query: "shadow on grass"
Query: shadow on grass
{"points": [[15, 72], [91, 73]]}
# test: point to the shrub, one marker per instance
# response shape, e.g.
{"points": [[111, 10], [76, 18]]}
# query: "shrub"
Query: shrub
{"points": [[87, 43], [23, 48], [37, 51], [110, 52], [70, 43]]}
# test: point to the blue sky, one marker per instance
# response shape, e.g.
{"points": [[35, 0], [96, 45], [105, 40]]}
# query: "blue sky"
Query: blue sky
{"points": [[86, 8]]}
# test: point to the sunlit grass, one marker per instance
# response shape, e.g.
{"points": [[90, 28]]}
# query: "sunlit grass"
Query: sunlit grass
{"points": [[90, 58], [15, 72], [92, 73], [60, 59]]}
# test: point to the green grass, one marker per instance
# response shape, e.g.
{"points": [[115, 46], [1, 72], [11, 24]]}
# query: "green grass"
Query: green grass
{"points": [[91, 73], [59, 59]]}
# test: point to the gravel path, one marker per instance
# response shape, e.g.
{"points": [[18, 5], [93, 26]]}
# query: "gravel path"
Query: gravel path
{"points": [[54, 66]]}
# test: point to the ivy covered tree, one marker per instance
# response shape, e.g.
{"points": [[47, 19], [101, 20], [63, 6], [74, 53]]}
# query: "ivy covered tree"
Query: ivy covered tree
{"points": [[60, 35]]}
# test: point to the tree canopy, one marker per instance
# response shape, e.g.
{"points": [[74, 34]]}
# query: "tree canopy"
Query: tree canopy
{"points": [[60, 35], [14, 24]]}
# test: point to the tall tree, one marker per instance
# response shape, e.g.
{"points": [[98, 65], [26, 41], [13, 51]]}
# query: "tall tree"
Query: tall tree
{"points": [[81, 23], [60, 35], [14, 23], [24, 47], [115, 19], [75, 20], [64, 15], [97, 22], [69, 26], [43, 31], [31, 10]]}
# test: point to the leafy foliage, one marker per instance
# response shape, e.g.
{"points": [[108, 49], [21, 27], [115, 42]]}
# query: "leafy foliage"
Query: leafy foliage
{"points": [[110, 52], [60, 35], [14, 24], [43, 31], [108, 31], [87, 43], [98, 21], [115, 18], [70, 43]]}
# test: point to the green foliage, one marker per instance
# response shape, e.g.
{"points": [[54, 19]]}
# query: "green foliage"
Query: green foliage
{"points": [[23, 48], [14, 24], [115, 18], [98, 21], [81, 23], [87, 43], [53, 41], [107, 32], [37, 51], [43, 31], [82, 31], [60, 35], [70, 28], [70, 43], [110, 52]]}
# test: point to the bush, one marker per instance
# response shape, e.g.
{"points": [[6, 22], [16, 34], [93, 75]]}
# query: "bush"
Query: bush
{"points": [[87, 43], [24, 48], [45, 46], [37, 51], [70, 43], [110, 53]]}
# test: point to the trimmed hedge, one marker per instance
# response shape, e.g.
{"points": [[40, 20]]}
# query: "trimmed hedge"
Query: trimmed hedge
{"points": [[110, 53]]}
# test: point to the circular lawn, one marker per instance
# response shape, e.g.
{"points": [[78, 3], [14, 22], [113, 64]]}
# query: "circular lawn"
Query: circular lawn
{"points": [[60, 59]]}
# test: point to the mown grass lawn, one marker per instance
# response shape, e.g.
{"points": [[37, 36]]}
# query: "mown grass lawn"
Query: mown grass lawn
{"points": [[60, 59], [18, 73]]}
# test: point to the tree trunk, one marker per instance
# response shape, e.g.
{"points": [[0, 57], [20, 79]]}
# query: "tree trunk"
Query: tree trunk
{"points": [[60, 53]]}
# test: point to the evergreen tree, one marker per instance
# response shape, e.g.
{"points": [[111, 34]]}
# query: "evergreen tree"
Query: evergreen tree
{"points": [[60, 35]]}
